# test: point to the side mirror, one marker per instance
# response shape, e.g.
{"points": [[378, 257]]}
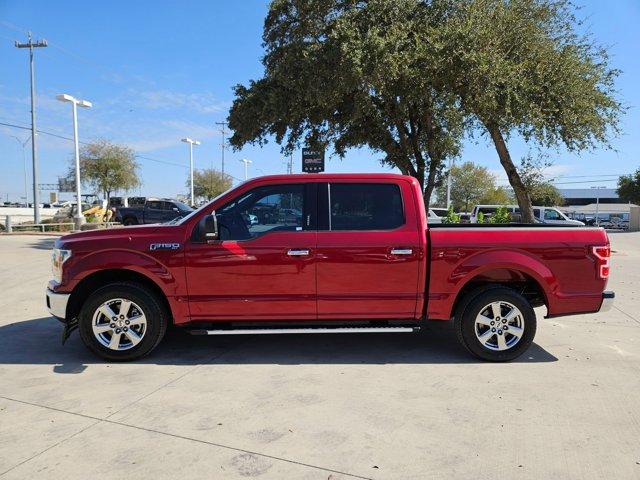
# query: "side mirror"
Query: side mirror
{"points": [[208, 227], [175, 209]]}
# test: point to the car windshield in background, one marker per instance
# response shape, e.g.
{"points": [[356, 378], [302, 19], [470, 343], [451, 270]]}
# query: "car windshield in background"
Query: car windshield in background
{"points": [[183, 207]]}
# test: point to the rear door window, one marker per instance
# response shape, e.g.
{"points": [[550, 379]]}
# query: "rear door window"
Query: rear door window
{"points": [[365, 206]]}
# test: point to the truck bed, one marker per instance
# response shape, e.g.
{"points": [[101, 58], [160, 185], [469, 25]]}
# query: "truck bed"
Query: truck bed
{"points": [[556, 261]]}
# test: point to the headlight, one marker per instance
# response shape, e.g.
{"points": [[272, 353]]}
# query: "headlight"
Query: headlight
{"points": [[58, 257]]}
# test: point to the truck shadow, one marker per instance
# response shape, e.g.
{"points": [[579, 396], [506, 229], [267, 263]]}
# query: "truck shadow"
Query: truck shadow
{"points": [[38, 342]]}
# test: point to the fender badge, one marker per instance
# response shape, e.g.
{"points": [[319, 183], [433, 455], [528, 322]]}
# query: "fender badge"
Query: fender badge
{"points": [[164, 246]]}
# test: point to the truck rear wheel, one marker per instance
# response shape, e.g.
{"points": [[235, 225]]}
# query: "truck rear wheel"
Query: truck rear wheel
{"points": [[129, 221], [122, 321], [496, 324]]}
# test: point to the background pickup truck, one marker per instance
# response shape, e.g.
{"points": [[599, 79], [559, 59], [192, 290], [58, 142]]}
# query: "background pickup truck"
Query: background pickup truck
{"points": [[323, 253], [153, 211]]}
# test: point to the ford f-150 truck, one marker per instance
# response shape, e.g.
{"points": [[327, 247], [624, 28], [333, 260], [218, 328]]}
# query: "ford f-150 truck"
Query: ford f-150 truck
{"points": [[357, 256]]}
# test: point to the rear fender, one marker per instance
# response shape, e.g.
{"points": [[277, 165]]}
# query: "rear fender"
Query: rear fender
{"points": [[483, 263]]}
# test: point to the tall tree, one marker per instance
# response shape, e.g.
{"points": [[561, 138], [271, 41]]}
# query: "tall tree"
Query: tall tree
{"points": [[629, 187], [107, 167], [519, 66], [471, 185], [347, 74], [209, 183]]}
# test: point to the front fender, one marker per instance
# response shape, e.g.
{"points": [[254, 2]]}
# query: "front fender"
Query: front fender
{"points": [[122, 259]]}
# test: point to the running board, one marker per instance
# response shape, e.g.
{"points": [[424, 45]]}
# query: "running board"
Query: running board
{"points": [[277, 331]]}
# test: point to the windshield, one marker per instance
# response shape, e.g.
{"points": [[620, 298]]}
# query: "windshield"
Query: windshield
{"points": [[180, 221], [183, 206]]}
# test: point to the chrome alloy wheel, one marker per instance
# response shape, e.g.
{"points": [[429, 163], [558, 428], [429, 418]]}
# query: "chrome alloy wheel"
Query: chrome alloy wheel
{"points": [[499, 326], [119, 324]]}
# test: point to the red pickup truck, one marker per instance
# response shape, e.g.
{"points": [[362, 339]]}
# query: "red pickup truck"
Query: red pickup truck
{"points": [[323, 253]]}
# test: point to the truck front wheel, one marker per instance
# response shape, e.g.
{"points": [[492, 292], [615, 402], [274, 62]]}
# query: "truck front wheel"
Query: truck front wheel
{"points": [[496, 324], [122, 321]]}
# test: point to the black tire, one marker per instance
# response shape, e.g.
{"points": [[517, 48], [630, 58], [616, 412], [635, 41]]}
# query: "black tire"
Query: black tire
{"points": [[129, 221], [156, 316], [474, 304]]}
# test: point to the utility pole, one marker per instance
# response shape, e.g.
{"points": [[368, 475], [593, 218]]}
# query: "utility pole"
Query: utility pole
{"points": [[222, 130], [597, 189], [34, 153]]}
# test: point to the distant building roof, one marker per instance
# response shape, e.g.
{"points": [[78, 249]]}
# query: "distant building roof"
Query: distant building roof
{"points": [[570, 193], [602, 208]]}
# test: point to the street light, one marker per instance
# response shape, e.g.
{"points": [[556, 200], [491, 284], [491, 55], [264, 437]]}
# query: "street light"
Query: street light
{"points": [[78, 218], [246, 167], [24, 163], [449, 182], [191, 143], [598, 203]]}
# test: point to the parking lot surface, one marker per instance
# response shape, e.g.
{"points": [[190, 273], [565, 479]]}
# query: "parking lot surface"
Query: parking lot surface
{"points": [[397, 406]]}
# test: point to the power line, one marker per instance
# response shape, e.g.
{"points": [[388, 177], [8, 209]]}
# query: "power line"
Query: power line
{"points": [[143, 157]]}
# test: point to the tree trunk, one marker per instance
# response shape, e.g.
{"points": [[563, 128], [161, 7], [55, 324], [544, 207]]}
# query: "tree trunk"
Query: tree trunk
{"points": [[524, 201]]}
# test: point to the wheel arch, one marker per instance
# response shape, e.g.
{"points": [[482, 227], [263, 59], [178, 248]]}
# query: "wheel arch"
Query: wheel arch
{"points": [[95, 280], [517, 270]]}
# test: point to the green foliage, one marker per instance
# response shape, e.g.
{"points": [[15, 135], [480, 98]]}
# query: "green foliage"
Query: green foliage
{"points": [[500, 216], [539, 189], [496, 196], [451, 217], [107, 167], [629, 187], [520, 66], [209, 183], [353, 74], [471, 185], [546, 195], [480, 217]]}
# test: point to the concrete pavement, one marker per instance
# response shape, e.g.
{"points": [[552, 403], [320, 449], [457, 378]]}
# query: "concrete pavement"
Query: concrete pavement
{"points": [[318, 407]]}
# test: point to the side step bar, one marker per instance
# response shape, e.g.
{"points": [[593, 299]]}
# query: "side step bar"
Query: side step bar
{"points": [[274, 331]]}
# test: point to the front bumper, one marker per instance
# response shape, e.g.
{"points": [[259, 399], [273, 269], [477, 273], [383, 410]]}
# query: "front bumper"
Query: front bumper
{"points": [[57, 304], [607, 301]]}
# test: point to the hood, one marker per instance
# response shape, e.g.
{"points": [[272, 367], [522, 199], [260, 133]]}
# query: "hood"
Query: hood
{"points": [[114, 237]]}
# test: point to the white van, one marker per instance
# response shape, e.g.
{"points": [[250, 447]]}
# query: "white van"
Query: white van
{"points": [[549, 215]]}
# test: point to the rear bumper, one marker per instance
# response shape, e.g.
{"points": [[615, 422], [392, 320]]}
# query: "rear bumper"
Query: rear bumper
{"points": [[607, 301], [57, 303]]}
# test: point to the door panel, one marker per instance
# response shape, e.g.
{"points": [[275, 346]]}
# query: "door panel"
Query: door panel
{"points": [[263, 267], [253, 279], [367, 273]]}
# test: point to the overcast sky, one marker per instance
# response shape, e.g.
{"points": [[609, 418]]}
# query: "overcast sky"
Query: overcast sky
{"points": [[159, 71]]}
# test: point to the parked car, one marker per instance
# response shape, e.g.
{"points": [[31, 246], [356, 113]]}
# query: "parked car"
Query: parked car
{"points": [[440, 212], [433, 217], [365, 259], [548, 215], [153, 211]]}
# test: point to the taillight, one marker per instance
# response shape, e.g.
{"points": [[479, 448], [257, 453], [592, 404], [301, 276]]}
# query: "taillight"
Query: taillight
{"points": [[602, 254]]}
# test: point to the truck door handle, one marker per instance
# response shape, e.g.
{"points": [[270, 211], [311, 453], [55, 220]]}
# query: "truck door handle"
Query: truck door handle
{"points": [[401, 251], [298, 252]]}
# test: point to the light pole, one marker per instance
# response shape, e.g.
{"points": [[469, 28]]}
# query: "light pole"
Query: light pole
{"points": [[34, 151], [246, 167], [24, 164], [191, 143], [598, 203], [78, 218]]}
